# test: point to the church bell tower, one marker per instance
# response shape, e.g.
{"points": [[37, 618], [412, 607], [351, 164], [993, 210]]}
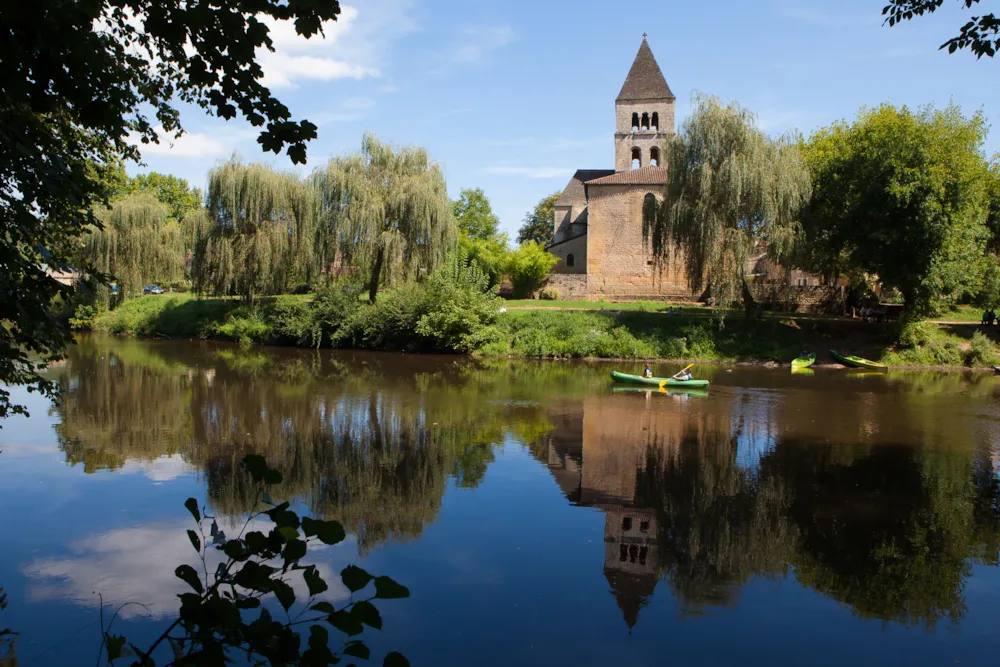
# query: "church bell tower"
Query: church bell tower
{"points": [[644, 114]]}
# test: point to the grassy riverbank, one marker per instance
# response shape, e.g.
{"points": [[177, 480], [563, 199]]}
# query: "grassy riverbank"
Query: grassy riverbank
{"points": [[546, 333]]}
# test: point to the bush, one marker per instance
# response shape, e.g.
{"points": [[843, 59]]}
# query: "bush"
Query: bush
{"points": [[246, 326], [333, 307], [459, 308], [549, 294], [528, 267], [83, 317], [916, 334], [982, 353], [293, 322]]}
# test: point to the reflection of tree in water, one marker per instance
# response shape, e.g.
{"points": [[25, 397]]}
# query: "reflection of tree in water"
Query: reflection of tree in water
{"points": [[378, 460], [720, 524], [890, 531]]}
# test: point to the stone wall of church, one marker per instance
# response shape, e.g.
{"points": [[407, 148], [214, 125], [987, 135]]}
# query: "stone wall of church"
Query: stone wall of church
{"points": [[619, 264], [569, 286], [575, 248]]}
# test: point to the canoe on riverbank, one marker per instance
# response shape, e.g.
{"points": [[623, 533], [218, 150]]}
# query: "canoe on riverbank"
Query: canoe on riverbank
{"points": [[670, 382], [857, 362], [800, 363]]}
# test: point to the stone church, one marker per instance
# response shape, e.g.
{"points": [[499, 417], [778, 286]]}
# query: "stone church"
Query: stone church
{"points": [[598, 217]]}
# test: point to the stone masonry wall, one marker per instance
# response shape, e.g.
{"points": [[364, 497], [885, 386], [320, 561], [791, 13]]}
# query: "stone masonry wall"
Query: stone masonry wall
{"points": [[818, 299], [576, 247], [571, 287], [619, 265]]}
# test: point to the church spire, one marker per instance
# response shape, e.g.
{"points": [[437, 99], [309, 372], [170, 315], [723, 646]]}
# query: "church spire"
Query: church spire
{"points": [[645, 80]]}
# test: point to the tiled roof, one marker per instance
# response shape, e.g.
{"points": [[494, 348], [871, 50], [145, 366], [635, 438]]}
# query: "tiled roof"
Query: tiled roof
{"points": [[574, 193], [643, 176], [645, 80]]}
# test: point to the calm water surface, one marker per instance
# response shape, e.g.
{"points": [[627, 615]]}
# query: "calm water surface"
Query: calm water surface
{"points": [[537, 516]]}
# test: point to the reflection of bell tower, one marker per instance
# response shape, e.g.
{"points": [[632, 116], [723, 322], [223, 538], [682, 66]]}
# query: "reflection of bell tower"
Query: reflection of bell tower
{"points": [[631, 558], [644, 114]]}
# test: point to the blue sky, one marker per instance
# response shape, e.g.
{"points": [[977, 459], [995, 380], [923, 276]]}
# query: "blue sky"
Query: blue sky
{"points": [[514, 96]]}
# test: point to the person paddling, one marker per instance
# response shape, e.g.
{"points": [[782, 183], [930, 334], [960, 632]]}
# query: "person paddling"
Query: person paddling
{"points": [[648, 371]]}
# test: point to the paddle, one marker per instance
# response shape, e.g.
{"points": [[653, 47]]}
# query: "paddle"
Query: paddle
{"points": [[674, 376]]}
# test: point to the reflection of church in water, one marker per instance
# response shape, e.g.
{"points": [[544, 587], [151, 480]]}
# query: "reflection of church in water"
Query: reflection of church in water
{"points": [[596, 457]]}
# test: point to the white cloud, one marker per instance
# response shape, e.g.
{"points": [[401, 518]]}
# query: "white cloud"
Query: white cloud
{"points": [[137, 565], [531, 172], [189, 144], [162, 469], [476, 42], [355, 46]]}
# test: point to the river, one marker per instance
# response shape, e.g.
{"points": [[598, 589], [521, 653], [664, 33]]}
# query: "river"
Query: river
{"points": [[538, 516]]}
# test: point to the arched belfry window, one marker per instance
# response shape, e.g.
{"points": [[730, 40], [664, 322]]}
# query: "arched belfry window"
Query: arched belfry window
{"points": [[645, 122], [570, 260], [635, 122], [656, 121], [636, 157], [654, 157]]}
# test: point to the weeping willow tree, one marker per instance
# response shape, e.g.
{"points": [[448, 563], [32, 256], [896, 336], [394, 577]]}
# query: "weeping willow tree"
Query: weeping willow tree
{"points": [[384, 210], [136, 245], [732, 193], [255, 235]]}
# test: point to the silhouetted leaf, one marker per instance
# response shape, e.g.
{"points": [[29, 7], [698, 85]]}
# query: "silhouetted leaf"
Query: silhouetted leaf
{"points": [[233, 549], [354, 578], [284, 593], [272, 477], [328, 532], [395, 659], [323, 607], [294, 550], [314, 581], [368, 614], [387, 589], [116, 646], [192, 505], [347, 623], [358, 650], [288, 532], [195, 540], [187, 574], [256, 465]]}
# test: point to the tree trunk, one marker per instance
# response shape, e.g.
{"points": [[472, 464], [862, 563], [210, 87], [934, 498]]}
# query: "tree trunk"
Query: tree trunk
{"points": [[749, 304], [376, 275]]}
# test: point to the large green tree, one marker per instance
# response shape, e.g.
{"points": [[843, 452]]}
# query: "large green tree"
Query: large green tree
{"points": [[474, 215], [256, 236], [538, 224], [136, 243], [981, 34], [903, 195], [175, 192], [731, 191], [386, 211], [82, 80]]}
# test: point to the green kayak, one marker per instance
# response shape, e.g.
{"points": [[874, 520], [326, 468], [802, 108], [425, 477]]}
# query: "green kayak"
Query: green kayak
{"points": [[857, 362], [638, 379], [803, 362]]}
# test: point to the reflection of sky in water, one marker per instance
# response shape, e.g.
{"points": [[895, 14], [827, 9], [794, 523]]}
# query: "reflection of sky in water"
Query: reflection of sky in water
{"points": [[511, 571]]}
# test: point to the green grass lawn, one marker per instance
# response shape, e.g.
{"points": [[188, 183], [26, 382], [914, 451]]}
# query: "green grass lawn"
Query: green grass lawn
{"points": [[961, 314]]}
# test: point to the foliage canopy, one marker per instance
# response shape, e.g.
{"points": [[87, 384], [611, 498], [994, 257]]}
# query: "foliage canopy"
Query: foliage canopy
{"points": [[538, 224], [81, 82], [904, 195], [981, 34], [386, 211], [732, 192]]}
